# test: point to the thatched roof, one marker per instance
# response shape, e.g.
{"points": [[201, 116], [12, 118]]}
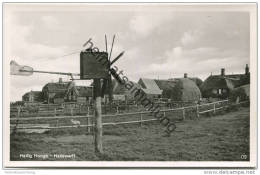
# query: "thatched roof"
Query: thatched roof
{"points": [[196, 80], [61, 89], [34, 93], [245, 88], [218, 82], [185, 90], [56, 87], [165, 84]]}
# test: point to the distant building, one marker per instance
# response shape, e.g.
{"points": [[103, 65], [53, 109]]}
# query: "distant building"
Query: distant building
{"points": [[178, 89], [241, 93], [60, 92], [181, 89], [185, 90], [84, 94], [121, 93], [196, 80], [33, 97], [150, 88], [167, 87], [220, 86]]}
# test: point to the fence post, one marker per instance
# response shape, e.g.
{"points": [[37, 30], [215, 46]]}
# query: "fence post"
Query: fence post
{"points": [[183, 113], [71, 111], [88, 121], [141, 119], [198, 112], [214, 111], [18, 111], [117, 111], [54, 112]]}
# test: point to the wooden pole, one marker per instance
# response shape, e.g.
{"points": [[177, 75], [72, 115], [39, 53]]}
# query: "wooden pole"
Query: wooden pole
{"points": [[141, 119], [98, 117], [117, 111], [198, 112], [183, 113], [88, 120], [71, 111]]}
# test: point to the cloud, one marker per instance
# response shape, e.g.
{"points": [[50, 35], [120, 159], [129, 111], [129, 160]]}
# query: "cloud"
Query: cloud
{"points": [[196, 62], [50, 21], [145, 23], [190, 37], [156, 43]]}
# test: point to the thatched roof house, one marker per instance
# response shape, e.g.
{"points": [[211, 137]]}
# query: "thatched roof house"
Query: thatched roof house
{"points": [[220, 86], [178, 89], [60, 92], [32, 97]]}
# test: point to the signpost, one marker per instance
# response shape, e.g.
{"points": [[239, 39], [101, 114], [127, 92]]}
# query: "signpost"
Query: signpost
{"points": [[91, 67]]}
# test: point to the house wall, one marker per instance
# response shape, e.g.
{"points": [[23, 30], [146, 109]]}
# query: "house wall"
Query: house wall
{"points": [[58, 100], [81, 99], [216, 93]]}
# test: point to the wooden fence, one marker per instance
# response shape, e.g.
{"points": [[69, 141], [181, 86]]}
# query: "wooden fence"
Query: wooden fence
{"points": [[80, 109], [198, 109]]}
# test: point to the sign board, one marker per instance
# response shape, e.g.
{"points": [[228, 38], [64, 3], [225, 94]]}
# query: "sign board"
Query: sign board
{"points": [[93, 65]]}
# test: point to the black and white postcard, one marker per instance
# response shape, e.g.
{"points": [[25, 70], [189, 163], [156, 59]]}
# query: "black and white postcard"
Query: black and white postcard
{"points": [[129, 85]]}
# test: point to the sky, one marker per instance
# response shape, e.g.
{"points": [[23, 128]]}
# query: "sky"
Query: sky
{"points": [[159, 41]]}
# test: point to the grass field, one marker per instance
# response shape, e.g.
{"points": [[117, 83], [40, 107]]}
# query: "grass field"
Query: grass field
{"points": [[216, 138]]}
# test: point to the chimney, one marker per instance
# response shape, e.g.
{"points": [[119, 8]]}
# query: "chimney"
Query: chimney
{"points": [[185, 75], [60, 80], [247, 69], [222, 72]]}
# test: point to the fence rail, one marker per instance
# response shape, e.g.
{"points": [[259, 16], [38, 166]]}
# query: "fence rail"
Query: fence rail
{"points": [[141, 120]]}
